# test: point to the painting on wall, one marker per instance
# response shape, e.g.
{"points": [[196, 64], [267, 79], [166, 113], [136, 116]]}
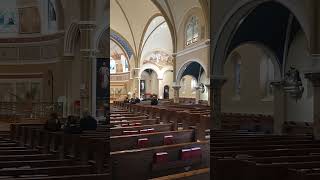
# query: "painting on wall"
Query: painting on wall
{"points": [[8, 20], [29, 20], [102, 86], [159, 58]]}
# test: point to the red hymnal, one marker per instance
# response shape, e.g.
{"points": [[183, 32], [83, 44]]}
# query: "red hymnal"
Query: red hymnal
{"points": [[167, 140], [143, 142], [161, 157]]}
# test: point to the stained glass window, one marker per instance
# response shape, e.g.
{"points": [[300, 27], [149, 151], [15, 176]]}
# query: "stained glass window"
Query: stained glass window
{"points": [[192, 31]]}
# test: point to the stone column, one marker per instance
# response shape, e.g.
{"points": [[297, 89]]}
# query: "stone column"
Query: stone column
{"points": [[136, 82], [176, 89], [217, 83], [87, 55], [279, 107], [197, 94], [315, 79], [208, 89], [67, 60], [160, 88]]}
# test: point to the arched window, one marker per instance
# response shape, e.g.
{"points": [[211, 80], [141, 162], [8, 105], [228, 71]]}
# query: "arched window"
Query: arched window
{"points": [[192, 31], [267, 75], [237, 77]]}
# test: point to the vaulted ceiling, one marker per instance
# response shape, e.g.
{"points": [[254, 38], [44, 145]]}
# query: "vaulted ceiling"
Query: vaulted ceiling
{"points": [[130, 18]]}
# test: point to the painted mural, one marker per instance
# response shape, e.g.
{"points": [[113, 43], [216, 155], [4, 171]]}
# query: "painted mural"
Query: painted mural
{"points": [[159, 58]]}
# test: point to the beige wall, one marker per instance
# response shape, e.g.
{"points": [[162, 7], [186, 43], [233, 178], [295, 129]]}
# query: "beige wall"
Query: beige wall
{"points": [[299, 57], [251, 99]]}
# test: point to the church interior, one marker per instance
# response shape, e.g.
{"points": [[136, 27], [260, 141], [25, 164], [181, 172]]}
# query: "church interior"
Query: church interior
{"points": [[159, 89]]}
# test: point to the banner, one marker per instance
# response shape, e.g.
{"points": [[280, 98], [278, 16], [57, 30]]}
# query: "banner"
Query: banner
{"points": [[102, 87]]}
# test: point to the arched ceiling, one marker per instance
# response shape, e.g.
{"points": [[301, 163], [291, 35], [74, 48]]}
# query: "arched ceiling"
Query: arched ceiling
{"points": [[130, 18]]}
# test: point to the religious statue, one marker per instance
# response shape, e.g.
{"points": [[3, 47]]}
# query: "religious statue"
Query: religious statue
{"points": [[293, 84], [104, 75]]}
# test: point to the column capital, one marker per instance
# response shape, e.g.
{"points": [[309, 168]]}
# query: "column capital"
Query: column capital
{"points": [[314, 77], [176, 87], [218, 81], [87, 25]]}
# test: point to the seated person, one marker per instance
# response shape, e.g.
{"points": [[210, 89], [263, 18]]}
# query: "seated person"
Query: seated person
{"points": [[154, 100], [137, 100], [72, 125], [53, 123], [132, 101], [87, 122], [126, 100]]}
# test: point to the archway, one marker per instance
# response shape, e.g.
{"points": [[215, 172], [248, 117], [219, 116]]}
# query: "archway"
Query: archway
{"points": [[166, 92], [149, 84], [192, 79], [227, 39]]}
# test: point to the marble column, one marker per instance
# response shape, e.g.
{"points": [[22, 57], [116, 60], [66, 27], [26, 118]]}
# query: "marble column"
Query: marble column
{"points": [[176, 89], [279, 107], [217, 83], [315, 79], [209, 90]]}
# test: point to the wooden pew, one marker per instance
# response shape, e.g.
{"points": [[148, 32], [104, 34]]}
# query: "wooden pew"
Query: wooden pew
{"points": [[143, 159], [119, 143]]}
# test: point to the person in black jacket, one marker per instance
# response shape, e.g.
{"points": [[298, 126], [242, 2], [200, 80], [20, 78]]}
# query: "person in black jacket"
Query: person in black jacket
{"points": [[53, 123], [154, 100], [87, 122]]}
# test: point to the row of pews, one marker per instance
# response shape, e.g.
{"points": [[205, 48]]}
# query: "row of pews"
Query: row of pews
{"points": [[151, 147], [264, 157], [246, 149], [29, 153]]}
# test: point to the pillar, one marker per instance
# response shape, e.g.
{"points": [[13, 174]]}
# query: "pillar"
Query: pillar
{"points": [[208, 89], [315, 79], [161, 88], [136, 83], [176, 89], [217, 83], [198, 93], [279, 107], [87, 27]]}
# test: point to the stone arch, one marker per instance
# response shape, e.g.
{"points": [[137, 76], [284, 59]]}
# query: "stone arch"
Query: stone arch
{"points": [[152, 67], [185, 65], [102, 41], [231, 23], [71, 37]]}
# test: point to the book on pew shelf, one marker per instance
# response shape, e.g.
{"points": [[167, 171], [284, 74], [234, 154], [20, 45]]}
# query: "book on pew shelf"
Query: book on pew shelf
{"points": [[143, 142], [168, 140], [185, 154], [161, 157]]}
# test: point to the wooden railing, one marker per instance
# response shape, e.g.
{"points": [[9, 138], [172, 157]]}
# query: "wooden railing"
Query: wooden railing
{"points": [[14, 110]]}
